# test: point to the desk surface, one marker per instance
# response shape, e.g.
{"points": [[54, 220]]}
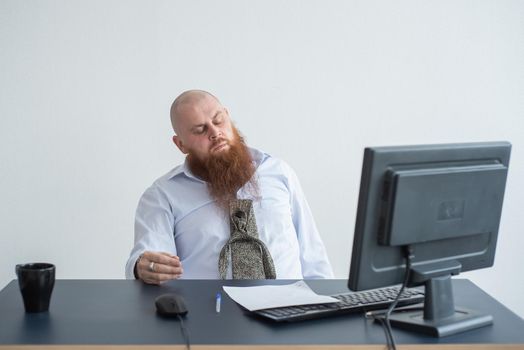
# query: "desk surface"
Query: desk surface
{"points": [[122, 312]]}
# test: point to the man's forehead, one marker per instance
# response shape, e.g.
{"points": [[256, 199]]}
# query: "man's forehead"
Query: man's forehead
{"points": [[202, 109]]}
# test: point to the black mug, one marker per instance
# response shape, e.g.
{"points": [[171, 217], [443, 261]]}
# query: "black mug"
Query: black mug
{"points": [[36, 281]]}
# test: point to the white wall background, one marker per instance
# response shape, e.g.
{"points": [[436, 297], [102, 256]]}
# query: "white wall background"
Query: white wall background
{"points": [[85, 90]]}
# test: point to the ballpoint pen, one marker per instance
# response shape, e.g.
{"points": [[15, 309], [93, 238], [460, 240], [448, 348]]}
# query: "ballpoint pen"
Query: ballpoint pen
{"points": [[218, 301]]}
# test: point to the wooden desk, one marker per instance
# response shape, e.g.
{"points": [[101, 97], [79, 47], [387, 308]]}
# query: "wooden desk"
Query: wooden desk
{"points": [[120, 314]]}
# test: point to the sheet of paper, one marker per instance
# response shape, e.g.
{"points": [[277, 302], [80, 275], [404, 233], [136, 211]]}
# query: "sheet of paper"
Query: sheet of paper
{"points": [[269, 296]]}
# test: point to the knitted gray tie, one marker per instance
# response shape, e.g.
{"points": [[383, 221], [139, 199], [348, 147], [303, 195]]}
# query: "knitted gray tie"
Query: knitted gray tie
{"points": [[249, 255]]}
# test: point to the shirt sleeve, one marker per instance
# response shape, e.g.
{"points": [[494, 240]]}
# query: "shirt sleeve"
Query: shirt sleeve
{"points": [[154, 227], [313, 256]]}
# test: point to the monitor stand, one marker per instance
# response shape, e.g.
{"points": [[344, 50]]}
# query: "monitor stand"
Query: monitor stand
{"points": [[439, 318]]}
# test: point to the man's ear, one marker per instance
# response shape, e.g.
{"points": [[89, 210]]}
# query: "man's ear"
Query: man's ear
{"points": [[178, 142]]}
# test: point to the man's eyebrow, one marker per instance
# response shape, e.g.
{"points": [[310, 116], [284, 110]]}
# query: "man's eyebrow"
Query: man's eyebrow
{"points": [[217, 113]]}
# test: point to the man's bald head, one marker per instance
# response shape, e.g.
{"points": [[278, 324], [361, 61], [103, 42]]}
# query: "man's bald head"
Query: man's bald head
{"points": [[186, 99]]}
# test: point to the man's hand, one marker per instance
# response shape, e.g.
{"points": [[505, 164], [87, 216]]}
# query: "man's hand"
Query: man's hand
{"points": [[158, 267]]}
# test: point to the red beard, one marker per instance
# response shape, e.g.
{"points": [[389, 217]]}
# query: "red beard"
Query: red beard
{"points": [[227, 171]]}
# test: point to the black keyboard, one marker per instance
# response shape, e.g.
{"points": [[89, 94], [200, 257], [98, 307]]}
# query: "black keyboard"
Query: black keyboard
{"points": [[348, 303]]}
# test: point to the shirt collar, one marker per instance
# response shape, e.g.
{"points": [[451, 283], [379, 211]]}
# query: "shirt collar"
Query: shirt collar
{"points": [[258, 158]]}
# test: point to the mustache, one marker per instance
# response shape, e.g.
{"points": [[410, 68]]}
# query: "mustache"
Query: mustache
{"points": [[218, 142]]}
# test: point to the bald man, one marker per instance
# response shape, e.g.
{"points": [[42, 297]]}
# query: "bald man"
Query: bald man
{"points": [[182, 220]]}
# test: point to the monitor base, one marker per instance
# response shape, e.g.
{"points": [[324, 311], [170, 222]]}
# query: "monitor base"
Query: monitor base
{"points": [[462, 320]]}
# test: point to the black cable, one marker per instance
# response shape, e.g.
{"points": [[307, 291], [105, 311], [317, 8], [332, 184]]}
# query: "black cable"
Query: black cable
{"points": [[386, 332], [383, 318], [408, 253], [185, 333]]}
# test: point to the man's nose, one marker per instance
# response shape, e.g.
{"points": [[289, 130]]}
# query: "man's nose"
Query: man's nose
{"points": [[214, 133]]}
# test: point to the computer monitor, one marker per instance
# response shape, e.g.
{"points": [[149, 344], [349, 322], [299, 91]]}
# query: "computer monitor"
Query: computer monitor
{"points": [[443, 202]]}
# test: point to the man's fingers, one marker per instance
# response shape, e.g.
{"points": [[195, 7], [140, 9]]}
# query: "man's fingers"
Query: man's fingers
{"points": [[158, 267], [162, 258], [167, 269], [170, 255]]}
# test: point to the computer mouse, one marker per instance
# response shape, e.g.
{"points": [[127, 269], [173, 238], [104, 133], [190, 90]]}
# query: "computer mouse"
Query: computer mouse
{"points": [[170, 305]]}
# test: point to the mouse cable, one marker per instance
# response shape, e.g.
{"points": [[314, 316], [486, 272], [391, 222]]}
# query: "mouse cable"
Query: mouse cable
{"points": [[185, 333]]}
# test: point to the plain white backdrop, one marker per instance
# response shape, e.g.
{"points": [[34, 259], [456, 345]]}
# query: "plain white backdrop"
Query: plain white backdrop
{"points": [[86, 86]]}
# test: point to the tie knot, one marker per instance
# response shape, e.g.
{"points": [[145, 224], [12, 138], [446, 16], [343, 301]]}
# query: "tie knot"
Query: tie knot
{"points": [[240, 214], [240, 220]]}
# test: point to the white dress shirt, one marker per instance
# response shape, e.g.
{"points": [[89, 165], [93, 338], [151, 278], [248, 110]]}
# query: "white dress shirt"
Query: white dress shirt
{"points": [[177, 215]]}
